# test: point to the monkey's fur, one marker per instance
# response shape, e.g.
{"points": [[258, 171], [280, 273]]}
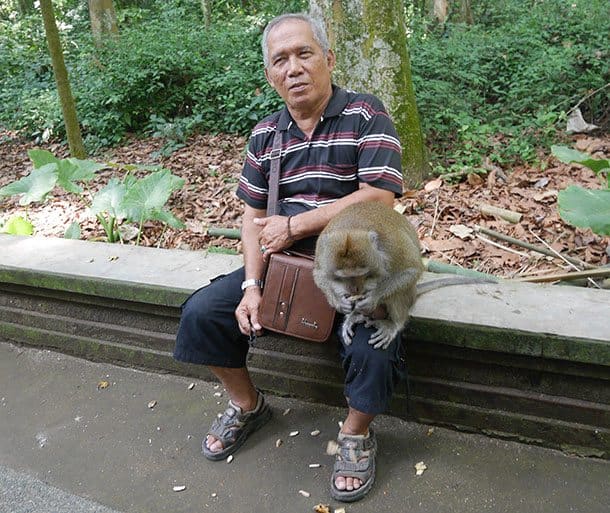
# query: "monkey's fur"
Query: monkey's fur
{"points": [[369, 256]]}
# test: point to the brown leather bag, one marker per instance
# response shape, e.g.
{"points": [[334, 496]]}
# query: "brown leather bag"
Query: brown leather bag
{"points": [[292, 303]]}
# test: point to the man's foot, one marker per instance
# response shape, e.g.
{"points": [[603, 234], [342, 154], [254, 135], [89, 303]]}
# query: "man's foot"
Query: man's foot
{"points": [[354, 471], [229, 431]]}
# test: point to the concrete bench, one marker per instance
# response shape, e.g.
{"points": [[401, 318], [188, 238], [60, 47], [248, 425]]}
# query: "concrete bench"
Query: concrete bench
{"points": [[521, 361]]}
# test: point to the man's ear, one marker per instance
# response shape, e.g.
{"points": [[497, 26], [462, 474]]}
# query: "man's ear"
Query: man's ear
{"points": [[331, 60], [269, 81]]}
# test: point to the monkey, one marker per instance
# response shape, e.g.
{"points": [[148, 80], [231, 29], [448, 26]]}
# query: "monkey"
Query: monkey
{"points": [[367, 263]]}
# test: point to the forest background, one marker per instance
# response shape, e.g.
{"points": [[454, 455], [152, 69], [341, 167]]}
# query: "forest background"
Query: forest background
{"points": [[494, 92]]}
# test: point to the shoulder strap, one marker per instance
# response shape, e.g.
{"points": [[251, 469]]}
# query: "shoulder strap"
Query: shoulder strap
{"points": [[274, 175]]}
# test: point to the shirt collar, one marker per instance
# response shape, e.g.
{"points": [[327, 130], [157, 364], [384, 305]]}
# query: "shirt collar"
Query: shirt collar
{"points": [[335, 106]]}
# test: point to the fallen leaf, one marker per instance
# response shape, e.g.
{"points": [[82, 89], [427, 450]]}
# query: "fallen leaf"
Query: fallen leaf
{"points": [[321, 508], [546, 195], [102, 385], [433, 185], [461, 231]]}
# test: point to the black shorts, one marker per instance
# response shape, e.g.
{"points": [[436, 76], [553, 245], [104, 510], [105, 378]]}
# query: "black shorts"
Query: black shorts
{"points": [[209, 335]]}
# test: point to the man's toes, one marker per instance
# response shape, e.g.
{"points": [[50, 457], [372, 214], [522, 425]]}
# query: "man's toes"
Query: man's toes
{"points": [[349, 484], [340, 483], [213, 444], [357, 484]]}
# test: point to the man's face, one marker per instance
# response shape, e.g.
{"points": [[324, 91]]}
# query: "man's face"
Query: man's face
{"points": [[298, 69]]}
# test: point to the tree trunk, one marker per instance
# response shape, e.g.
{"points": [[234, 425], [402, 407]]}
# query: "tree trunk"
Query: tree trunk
{"points": [[465, 13], [103, 20], [25, 6], [75, 140], [206, 10], [369, 38], [439, 9]]}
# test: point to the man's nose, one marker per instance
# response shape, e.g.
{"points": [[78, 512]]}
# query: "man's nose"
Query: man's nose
{"points": [[294, 65]]}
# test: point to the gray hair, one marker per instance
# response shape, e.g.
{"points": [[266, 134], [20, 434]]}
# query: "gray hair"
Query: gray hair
{"points": [[319, 33]]}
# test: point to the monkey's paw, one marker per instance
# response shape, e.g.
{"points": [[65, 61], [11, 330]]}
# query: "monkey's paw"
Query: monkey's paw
{"points": [[348, 328], [385, 334]]}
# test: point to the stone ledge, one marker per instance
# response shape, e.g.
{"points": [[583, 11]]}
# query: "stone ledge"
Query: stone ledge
{"points": [[492, 358]]}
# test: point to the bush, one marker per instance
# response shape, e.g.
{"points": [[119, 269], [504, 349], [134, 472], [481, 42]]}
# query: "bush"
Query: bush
{"points": [[500, 87]]}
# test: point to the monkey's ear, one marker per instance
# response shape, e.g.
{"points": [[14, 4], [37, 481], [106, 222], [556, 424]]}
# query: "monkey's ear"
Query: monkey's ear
{"points": [[374, 238]]}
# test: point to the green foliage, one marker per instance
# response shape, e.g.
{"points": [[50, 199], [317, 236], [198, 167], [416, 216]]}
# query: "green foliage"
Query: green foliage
{"points": [[585, 208], [131, 199], [501, 87], [17, 225]]}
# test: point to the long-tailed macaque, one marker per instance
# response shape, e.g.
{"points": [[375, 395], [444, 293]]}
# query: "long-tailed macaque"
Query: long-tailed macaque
{"points": [[367, 264]]}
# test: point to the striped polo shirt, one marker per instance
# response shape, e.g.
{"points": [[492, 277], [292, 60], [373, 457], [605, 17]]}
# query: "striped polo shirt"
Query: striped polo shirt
{"points": [[355, 141]]}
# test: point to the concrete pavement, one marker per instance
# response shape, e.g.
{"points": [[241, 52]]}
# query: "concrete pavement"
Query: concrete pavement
{"points": [[68, 443]]}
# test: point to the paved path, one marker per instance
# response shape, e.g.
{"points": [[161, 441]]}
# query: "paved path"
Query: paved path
{"points": [[67, 446]]}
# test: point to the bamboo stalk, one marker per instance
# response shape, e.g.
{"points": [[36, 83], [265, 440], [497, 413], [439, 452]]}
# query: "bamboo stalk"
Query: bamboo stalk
{"points": [[434, 266], [533, 247], [228, 233], [507, 215], [576, 275]]}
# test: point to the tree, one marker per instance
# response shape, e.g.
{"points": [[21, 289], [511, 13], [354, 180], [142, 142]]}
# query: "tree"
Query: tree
{"points": [[75, 140], [206, 10], [439, 9], [370, 40], [103, 20], [464, 14], [25, 6]]}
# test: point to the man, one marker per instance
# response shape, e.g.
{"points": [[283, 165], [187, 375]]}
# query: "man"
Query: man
{"points": [[339, 148]]}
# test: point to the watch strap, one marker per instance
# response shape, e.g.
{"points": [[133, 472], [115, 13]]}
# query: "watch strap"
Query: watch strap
{"points": [[251, 283]]}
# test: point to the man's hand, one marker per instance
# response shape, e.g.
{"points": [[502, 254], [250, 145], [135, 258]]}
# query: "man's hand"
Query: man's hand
{"points": [[274, 235], [246, 312]]}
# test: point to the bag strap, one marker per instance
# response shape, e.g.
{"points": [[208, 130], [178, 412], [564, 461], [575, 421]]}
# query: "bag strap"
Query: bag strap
{"points": [[274, 176]]}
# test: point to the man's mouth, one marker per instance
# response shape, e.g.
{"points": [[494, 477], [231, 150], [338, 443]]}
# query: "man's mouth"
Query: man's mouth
{"points": [[298, 87]]}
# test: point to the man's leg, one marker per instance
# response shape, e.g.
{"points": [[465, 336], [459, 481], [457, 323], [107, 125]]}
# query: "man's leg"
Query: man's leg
{"points": [[356, 423], [241, 390], [371, 375], [209, 335]]}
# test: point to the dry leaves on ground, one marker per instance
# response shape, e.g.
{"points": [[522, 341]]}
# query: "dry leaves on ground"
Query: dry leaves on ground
{"points": [[445, 214]]}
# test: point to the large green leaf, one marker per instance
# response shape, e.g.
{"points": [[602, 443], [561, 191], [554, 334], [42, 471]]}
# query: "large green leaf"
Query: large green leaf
{"points": [[35, 186], [168, 218], [70, 171], [586, 208], [42, 157], [17, 225], [569, 155], [110, 200], [73, 231], [150, 194]]}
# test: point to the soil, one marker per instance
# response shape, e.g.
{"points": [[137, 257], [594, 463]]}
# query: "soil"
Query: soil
{"points": [[445, 211]]}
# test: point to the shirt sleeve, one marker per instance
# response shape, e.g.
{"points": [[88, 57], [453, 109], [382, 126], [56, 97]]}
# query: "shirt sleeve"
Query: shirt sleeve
{"points": [[379, 150], [253, 187]]}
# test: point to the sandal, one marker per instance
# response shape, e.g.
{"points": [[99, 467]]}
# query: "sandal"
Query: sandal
{"points": [[233, 427], [355, 457]]}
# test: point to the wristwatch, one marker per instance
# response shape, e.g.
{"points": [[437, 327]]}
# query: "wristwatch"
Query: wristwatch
{"points": [[251, 283]]}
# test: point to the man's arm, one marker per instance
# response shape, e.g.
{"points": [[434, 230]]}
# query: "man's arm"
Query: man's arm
{"points": [[274, 233], [248, 308]]}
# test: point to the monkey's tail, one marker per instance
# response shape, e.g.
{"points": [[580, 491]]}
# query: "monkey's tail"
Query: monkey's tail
{"points": [[427, 286]]}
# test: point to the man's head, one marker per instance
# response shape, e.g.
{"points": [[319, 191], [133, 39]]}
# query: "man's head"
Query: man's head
{"points": [[298, 61]]}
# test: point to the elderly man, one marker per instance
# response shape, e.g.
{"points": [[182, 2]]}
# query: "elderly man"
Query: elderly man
{"points": [[339, 148]]}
